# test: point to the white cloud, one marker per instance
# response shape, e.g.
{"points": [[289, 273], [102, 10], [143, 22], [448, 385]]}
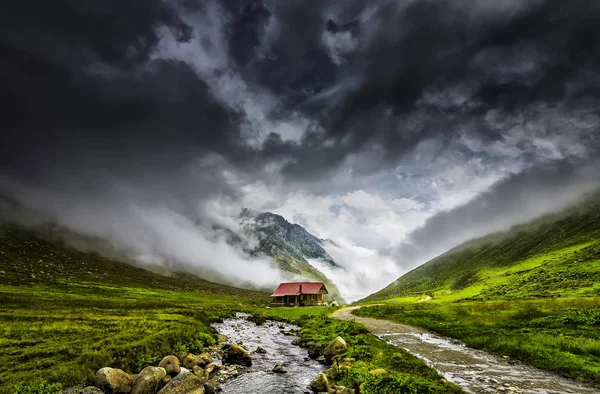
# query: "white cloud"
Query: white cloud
{"points": [[151, 232]]}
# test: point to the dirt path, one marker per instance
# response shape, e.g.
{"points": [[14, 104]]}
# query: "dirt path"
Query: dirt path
{"points": [[474, 370]]}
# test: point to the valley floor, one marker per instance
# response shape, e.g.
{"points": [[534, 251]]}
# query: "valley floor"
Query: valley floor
{"points": [[63, 332], [64, 314]]}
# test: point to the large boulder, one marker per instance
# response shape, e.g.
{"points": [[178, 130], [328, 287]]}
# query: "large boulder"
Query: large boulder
{"points": [[191, 360], [335, 348], [320, 384], [184, 383], [83, 390], [113, 381], [171, 365], [237, 355], [149, 380]]}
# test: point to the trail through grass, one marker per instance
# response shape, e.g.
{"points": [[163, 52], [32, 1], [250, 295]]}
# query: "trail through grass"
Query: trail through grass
{"points": [[557, 335]]}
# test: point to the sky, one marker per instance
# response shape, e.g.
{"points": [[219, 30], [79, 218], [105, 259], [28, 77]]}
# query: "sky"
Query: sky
{"points": [[395, 129]]}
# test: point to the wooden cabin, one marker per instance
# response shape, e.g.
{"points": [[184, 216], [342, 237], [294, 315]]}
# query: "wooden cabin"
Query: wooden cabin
{"points": [[299, 294]]}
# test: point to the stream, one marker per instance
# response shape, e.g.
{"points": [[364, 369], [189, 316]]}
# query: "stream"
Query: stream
{"points": [[473, 370], [259, 378]]}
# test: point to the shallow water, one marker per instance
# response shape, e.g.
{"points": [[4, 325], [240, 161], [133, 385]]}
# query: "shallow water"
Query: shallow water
{"points": [[260, 378], [474, 370]]}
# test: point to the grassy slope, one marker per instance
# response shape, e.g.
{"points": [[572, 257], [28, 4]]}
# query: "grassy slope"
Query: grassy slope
{"points": [[551, 257], [532, 293], [64, 313]]}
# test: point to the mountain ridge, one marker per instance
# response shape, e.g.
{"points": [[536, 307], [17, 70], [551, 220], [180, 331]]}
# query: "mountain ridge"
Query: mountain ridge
{"points": [[289, 244]]}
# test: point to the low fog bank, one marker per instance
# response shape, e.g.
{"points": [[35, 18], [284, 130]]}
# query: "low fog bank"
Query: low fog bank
{"points": [[168, 234], [154, 236]]}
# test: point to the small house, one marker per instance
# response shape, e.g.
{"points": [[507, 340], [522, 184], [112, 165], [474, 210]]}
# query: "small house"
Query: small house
{"points": [[299, 294]]}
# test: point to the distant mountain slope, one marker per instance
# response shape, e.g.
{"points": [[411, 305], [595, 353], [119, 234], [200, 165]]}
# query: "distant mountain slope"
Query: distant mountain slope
{"points": [[290, 245], [268, 234], [27, 258], [556, 255]]}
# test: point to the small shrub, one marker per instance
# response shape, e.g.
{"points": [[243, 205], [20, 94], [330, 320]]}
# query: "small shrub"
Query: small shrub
{"points": [[360, 353], [206, 339], [528, 313]]}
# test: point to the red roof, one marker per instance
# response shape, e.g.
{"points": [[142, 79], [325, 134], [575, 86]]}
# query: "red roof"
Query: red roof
{"points": [[297, 288]]}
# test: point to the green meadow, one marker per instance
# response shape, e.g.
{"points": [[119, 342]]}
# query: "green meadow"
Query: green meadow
{"points": [[532, 294], [64, 314], [556, 335]]}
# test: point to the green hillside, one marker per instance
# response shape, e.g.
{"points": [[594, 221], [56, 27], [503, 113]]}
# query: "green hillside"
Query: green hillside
{"points": [[530, 294], [65, 313], [554, 256]]}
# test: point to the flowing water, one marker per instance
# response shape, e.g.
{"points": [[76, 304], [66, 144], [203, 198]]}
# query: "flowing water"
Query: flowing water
{"points": [[279, 350], [474, 370]]}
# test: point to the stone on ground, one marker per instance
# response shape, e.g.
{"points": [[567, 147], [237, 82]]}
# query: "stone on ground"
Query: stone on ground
{"points": [[191, 360], [184, 383], [171, 365], [113, 381], [320, 384], [149, 380], [335, 348], [211, 369]]}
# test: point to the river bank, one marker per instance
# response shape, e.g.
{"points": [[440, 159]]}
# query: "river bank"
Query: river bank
{"points": [[310, 353], [270, 344], [474, 370]]}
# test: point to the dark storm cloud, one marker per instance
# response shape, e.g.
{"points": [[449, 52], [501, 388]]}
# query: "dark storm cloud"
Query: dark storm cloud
{"points": [[78, 87], [411, 71], [80, 76]]}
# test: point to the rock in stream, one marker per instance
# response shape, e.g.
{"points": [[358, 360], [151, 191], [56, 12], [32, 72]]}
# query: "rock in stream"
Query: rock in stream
{"points": [[269, 346]]}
